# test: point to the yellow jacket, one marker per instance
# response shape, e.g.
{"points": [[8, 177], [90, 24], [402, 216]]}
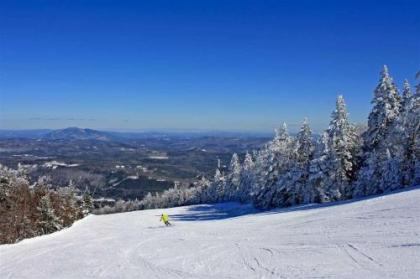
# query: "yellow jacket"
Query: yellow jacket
{"points": [[164, 217]]}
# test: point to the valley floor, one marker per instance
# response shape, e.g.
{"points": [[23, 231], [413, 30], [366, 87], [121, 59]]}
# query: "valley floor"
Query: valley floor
{"points": [[371, 238]]}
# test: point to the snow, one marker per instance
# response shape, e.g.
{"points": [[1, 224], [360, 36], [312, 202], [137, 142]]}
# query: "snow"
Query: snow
{"points": [[115, 182], [141, 168], [103, 199], [159, 157], [372, 238], [55, 164]]}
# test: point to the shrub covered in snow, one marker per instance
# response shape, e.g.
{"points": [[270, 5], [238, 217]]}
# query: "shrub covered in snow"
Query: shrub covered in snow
{"points": [[30, 210]]}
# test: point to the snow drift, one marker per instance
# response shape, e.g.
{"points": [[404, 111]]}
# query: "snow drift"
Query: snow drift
{"points": [[372, 238]]}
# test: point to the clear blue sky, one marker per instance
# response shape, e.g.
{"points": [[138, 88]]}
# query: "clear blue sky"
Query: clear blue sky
{"points": [[225, 65]]}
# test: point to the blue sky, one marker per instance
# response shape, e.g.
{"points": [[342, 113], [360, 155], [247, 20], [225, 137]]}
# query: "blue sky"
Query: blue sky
{"points": [[224, 65]]}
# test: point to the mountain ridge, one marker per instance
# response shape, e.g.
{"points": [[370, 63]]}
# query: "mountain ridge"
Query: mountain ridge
{"points": [[75, 133]]}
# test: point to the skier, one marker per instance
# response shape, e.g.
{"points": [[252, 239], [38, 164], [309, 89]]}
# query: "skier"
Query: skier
{"points": [[165, 218]]}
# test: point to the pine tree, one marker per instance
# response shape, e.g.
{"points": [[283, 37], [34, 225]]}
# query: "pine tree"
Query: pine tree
{"points": [[401, 139], [280, 152], [147, 202], [261, 168], [390, 173], [203, 193], [247, 178], [381, 174], [304, 155], [381, 134], [87, 203], [218, 187], [49, 221], [304, 145], [234, 178], [71, 211], [407, 96], [342, 147], [292, 184], [386, 106], [319, 172], [274, 162]]}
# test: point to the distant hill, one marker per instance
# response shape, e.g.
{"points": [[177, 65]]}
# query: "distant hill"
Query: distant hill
{"points": [[74, 133]]}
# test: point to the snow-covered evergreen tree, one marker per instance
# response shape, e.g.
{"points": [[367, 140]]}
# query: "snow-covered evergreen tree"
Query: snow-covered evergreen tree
{"points": [[87, 203], [386, 106], [342, 147], [304, 145], [291, 186], [261, 168], [406, 99], [234, 178], [319, 172], [218, 186], [203, 192], [247, 178], [390, 179], [148, 201], [49, 221], [69, 207], [280, 152], [401, 139], [385, 135], [274, 162], [381, 174], [304, 155]]}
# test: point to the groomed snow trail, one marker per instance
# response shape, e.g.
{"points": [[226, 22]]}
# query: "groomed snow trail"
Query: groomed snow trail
{"points": [[372, 238]]}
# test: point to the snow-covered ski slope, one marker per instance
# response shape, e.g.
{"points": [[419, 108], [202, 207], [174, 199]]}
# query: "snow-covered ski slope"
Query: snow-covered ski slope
{"points": [[372, 238]]}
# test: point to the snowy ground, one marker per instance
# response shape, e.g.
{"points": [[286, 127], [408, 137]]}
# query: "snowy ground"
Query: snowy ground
{"points": [[373, 238]]}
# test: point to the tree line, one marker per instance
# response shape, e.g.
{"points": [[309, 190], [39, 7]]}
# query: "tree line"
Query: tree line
{"points": [[343, 163]]}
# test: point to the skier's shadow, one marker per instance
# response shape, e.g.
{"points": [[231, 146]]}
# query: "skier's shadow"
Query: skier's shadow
{"points": [[220, 211], [217, 211]]}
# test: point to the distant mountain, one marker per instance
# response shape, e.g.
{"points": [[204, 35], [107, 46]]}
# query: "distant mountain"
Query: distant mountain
{"points": [[74, 133]]}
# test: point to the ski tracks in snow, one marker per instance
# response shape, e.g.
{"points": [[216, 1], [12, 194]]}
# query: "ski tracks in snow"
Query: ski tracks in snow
{"points": [[364, 254], [326, 242], [362, 260], [260, 264]]}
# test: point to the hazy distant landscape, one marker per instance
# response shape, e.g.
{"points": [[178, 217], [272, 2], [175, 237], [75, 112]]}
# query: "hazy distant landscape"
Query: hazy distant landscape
{"points": [[121, 165]]}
